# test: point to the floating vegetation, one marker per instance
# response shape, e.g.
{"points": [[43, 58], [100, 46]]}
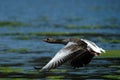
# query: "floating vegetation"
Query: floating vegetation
{"points": [[25, 37], [57, 70], [93, 27], [57, 77], [11, 23], [109, 40], [57, 34], [115, 66], [67, 26], [114, 41], [113, 77], [111, 54], [8, 69], [72, 26], [15, 79], [24, 50], [21, 50]]}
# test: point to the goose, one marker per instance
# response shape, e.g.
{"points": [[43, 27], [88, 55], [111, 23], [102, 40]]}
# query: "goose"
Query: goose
{"points": [[78, 52]]}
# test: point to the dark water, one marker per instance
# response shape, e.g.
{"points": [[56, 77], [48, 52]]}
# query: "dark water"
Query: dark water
{"points": [[19, 53]]}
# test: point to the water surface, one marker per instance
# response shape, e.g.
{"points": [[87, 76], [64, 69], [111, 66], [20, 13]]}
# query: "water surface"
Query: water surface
{"points": [[22, 48]]}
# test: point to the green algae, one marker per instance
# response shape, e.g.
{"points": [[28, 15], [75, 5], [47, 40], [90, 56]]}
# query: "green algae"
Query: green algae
{"points": [[114, 41], [108, 40], [113, 77], [72, 26], [58, 70], [9, 70], [65, 34], [57, 77], [111, 54], [115, 66], [15, 79], [57, 34], [24, 37]]}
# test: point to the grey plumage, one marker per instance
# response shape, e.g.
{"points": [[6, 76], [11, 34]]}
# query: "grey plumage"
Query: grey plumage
{"points": [[78, 52]]}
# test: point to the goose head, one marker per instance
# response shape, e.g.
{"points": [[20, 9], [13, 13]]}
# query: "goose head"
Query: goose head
{"points": [[49, 40], [57, 41]]}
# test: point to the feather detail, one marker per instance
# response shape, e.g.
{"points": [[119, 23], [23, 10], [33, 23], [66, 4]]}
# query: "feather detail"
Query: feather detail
{"points": [[64, 55]]}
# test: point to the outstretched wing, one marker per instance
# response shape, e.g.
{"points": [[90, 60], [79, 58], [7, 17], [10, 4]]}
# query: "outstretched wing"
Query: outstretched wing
{"points": [[81, 60], [64, 55]]}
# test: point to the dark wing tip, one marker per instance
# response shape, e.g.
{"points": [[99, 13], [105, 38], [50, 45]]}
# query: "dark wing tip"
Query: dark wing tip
{"points": [[82, 60], [39, 69]]}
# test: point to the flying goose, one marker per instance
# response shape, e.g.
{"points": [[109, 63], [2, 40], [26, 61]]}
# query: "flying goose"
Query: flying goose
{"points": [[78, 52]]}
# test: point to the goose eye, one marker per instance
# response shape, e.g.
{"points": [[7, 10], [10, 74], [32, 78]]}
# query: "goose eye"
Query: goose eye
{"points": [[48, 39]]}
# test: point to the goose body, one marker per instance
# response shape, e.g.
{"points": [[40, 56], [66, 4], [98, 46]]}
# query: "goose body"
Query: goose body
{"points": [[78, 52]]}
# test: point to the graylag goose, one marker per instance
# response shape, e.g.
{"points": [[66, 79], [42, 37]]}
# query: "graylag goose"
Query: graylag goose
{"points": [[78, 52]]}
